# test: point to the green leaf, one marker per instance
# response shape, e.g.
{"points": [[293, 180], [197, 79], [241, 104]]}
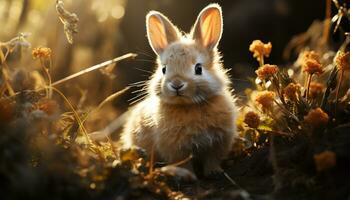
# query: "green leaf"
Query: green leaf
{"points": [[264, 128]]}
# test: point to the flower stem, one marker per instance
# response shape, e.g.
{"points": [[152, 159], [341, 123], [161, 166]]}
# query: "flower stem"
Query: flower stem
{"points": [[49, 85], [261, 60], [308, 86], [47, 73], [338, 88]]}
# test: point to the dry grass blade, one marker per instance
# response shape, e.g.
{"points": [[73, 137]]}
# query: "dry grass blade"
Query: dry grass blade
{"points": [[112, 97], [112, 127], [95, 67], [182, 161], [68, 19], [76, 115]]}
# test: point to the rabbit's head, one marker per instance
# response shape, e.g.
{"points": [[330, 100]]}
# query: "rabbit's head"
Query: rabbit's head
{"points": [[189, 68]]}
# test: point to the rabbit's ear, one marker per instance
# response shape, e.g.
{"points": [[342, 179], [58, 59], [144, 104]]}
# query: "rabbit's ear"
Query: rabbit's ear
{"points": [[208, 27], [160, 31]]}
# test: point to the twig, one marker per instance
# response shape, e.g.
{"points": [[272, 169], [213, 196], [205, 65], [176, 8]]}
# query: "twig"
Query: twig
{"points": [[151, 162], [182, 161], [327, 22], [244, 193], [308, 86], [231, 180], [338, 88], [95, 67], [90, 69]]}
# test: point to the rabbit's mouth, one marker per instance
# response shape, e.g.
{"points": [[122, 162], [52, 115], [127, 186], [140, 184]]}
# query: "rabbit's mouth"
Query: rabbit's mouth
{"points": [[178, 94], [177, 98], [182, 98]]}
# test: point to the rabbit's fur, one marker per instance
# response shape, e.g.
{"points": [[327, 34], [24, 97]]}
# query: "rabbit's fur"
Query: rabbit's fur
{"points": [[189, 108]]}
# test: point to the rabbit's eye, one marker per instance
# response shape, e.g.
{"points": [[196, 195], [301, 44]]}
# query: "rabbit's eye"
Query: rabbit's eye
{"points": [[164, 69], [198, 69]]}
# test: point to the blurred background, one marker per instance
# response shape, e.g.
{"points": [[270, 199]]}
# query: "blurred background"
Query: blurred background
{"points": [[109, 28]]}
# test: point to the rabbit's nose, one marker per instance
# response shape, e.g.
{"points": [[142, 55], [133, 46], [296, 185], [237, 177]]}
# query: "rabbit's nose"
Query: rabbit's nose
{"points": [[176, 85]]}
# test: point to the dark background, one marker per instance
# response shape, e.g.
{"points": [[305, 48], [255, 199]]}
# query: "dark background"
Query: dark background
{"points": [[244, 21], [102, 36]]}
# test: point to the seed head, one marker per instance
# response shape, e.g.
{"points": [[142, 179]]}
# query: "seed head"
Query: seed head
{"points": [[252, 119]]}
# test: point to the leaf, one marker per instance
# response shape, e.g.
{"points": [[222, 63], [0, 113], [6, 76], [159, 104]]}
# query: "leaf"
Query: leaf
{"points": [[264, 128], [131, 154]]}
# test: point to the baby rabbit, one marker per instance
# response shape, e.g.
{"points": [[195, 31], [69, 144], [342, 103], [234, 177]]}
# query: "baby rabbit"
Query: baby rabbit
{"points": [[189, 109]]}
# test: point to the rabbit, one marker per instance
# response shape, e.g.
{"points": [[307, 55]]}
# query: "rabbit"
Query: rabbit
{"points": [[189, 109]]}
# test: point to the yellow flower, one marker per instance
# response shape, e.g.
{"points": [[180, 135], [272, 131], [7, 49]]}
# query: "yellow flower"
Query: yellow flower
{"points": [[342, 60], [266, 71], [265, 99], [316, 89], [252, 119], [325, 160], [316, 117], [260, 49], [292, 91], [41, 52]]}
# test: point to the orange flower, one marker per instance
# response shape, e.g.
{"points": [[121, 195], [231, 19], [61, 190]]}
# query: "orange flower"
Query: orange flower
{"points": [[312, 66], [265, 99], [311, 63], [316, 117], [266, 71], [311, 55], [260, 49], [316, 89], [325, 160], [292, 91], [252, 119], [342, 60], [41, 52]]}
